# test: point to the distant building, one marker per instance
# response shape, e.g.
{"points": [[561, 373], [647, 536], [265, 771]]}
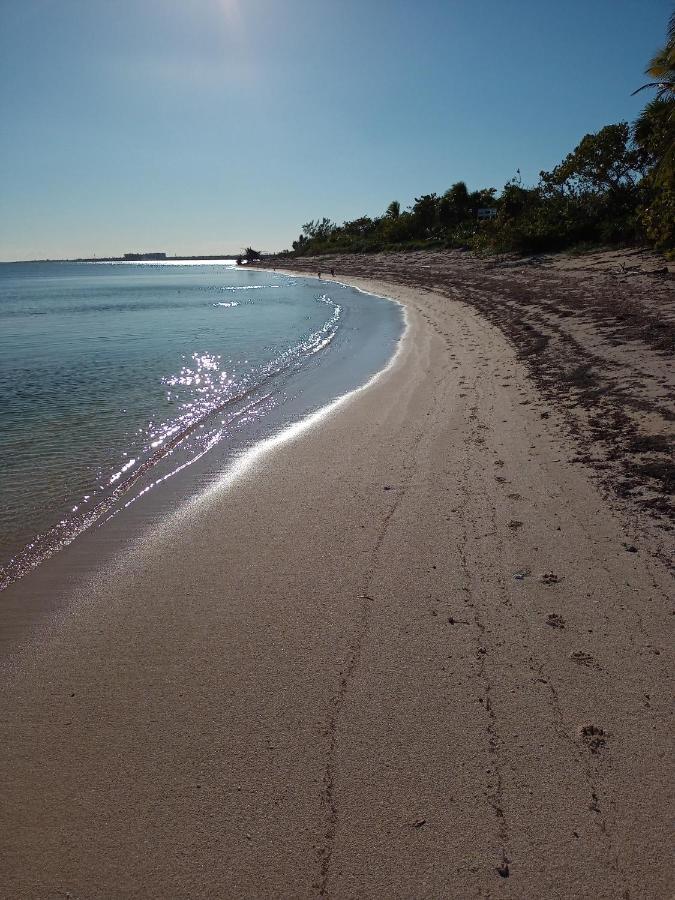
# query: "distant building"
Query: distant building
{"points": [[487, 212], [137, 256]]}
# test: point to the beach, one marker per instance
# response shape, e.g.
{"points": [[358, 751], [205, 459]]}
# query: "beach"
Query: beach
{"points": [[417, 647]]}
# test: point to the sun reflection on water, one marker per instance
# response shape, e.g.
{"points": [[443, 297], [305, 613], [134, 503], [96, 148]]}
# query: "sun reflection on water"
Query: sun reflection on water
{"points": [[210, 397]]}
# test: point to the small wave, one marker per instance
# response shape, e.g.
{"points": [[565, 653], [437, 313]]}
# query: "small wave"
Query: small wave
{"points": [[250, 287], [227, 305]]}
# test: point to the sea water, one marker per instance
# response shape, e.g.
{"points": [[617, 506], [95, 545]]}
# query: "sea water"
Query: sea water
{"points": [[118, 378]]}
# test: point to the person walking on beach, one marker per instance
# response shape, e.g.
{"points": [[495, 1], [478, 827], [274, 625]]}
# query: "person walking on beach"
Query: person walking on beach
{"points": [[319, 273], [332, 273]]}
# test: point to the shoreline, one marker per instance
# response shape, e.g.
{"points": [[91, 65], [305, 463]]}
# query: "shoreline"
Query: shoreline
{"points": [[409, 654], [51, 541]]}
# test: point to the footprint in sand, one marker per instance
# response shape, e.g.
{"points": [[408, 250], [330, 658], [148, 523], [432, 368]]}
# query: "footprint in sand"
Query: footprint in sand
{"points": [[594, 737], [550, 578], [584, 659], [555, 621]]}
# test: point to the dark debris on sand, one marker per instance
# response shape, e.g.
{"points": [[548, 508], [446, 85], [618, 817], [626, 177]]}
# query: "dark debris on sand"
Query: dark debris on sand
{"points": [[598, 344]]}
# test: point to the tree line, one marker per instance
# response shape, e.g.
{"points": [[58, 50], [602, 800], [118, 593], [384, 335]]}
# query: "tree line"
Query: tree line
{"points": [[616, 187]]}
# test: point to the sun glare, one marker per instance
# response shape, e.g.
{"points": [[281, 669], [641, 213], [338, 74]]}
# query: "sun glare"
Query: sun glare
{"points": [[231, 11]]}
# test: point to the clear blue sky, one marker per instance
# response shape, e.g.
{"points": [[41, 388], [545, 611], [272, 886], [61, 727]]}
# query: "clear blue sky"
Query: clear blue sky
{"points": [[205, 125]]}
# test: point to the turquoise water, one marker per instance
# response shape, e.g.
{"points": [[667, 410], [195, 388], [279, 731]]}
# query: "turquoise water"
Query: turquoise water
{"points": [[114, 377]]}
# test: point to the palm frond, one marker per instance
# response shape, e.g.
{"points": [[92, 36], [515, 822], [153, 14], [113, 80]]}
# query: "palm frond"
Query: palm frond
{"points": [[653, 84]]}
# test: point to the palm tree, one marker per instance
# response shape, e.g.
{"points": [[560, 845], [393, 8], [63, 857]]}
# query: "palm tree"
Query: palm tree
{"points": [[653, 132], [662, 67]]}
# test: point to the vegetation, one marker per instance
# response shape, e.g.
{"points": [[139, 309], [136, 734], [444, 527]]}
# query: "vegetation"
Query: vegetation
{"points": [[616, 187], [662, 67], [250, 256]]}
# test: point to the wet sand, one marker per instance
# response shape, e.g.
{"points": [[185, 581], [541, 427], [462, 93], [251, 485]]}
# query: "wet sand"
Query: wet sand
{"points": [[414, 651]]}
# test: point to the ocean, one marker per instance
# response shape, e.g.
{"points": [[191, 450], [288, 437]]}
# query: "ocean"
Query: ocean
{"points": [[118, 380]]}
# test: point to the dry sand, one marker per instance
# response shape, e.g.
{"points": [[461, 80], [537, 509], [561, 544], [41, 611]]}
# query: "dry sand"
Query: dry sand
{"points": [[596, 333], [412, 652]]}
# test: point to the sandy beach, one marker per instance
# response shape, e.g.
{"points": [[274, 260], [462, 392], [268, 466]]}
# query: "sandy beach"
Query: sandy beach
{"points": [[419, 648]]}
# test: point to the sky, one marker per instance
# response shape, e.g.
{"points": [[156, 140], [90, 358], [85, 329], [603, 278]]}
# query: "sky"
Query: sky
{"points": [[204, 126]]}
